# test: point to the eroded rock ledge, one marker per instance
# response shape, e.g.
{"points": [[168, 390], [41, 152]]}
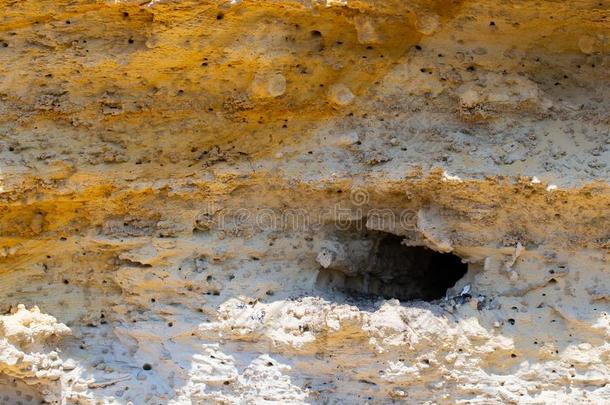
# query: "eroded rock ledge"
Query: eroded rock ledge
{"points": [[271, 201]]}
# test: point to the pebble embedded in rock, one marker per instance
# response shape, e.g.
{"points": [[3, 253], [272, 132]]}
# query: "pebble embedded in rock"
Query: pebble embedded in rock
{"points": [[326, 257], [428, 24], [268, 85], [347, 139], [586, 44], [367, 33], [69, 365], [340, 95]]}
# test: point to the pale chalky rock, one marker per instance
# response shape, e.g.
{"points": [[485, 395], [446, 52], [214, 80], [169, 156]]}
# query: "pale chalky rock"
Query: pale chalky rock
{"points": [[304, 202]]}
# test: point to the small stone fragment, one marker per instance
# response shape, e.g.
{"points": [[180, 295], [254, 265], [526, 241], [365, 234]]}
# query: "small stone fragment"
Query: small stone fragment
{"points": [[69, 365], [326, 257], [367, 34], [347, 139], [586, 44], [36, 225], [339, 94], [268, 85], [428, 24]]}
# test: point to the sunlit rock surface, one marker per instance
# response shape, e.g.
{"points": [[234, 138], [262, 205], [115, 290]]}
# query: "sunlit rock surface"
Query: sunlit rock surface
{"points": [[271, 202]]}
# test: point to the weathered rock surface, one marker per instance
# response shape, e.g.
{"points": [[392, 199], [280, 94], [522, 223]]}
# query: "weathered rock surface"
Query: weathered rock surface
{"points": [[228, 201]]}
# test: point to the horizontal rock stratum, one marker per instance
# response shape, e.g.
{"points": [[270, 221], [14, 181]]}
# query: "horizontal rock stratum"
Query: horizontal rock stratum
{"points": [[323, 202]]}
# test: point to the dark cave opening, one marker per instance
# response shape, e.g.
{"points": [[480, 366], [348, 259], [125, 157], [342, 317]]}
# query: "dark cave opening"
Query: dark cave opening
{"points": [[393, 270]]}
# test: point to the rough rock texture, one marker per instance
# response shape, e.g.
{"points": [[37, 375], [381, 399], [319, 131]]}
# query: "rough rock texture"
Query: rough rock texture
{"points": [[198, 196]]}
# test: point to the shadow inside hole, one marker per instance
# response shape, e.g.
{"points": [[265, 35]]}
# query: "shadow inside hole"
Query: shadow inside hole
{"points": [[393, 270]]}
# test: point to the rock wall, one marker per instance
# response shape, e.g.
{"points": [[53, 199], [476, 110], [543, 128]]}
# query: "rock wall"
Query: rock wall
{"points": [[271, 201]]}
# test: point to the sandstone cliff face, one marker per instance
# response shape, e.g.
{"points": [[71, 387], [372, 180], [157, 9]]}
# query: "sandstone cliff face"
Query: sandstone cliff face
{"points": [[304, 201]]}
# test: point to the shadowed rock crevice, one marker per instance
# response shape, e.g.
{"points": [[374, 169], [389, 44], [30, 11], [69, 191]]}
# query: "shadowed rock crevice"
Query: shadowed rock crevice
{"points": [[393, 270]]}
